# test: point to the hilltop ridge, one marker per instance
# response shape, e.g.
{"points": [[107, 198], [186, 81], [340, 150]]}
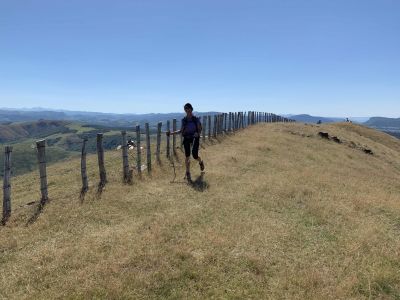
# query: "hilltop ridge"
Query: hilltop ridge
{"points": [[280, 213]]}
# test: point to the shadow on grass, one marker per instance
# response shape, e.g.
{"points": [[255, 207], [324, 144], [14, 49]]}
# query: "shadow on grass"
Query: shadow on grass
{"points": [[37, 212], [5, 219], [83, 194], [200, 184], [100, 189]]}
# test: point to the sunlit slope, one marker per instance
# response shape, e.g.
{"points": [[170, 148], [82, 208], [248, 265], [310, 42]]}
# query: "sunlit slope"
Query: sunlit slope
{"points": [[282, 213]]}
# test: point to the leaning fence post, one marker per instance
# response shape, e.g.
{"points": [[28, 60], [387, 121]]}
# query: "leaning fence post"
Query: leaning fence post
{"points": [[125, 161], [148, 147], [85, 184], [100, 158], [168, 139], [174, 137], [138, 151], [41, 148], [7, 184], [159, 125]]}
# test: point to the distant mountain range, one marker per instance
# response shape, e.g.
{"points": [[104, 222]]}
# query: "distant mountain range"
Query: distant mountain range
{"points": [[8, 115]]}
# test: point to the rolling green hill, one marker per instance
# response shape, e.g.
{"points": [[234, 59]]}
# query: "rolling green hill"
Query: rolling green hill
{"points": [[18, 131], [63, 140], [380, 122]]}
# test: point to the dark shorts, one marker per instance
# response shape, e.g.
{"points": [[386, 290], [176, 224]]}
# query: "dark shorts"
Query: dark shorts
{"points": [[195, 142]]}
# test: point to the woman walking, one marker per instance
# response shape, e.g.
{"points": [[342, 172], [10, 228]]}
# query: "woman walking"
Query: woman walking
{"points": [[191, 130]]}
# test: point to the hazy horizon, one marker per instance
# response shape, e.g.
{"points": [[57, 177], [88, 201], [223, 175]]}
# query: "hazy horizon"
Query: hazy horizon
{"points": [[172, 112]]}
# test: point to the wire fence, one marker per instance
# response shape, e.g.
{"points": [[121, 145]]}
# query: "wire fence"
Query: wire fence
{"points": [[144, 147]]}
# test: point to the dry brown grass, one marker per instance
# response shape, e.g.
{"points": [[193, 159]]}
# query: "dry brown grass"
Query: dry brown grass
{"points": [[285, 215]]}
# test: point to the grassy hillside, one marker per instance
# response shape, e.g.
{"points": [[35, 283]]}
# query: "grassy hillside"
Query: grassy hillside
{"points": [[280, 213], [381, 122], [39, 129], [63, 140]]}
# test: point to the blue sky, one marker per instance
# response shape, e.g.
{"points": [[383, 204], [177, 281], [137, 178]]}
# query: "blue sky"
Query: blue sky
{"points": [[322, 57]]}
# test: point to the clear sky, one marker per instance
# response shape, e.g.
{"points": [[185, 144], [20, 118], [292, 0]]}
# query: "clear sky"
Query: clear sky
{"points": [[322, 57]]}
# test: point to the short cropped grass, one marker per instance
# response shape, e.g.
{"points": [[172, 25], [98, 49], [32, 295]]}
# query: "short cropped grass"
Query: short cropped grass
{"points": [[279, 214]]}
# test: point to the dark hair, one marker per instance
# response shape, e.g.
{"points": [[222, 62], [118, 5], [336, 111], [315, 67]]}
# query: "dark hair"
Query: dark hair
{"points": [[189, 106]]}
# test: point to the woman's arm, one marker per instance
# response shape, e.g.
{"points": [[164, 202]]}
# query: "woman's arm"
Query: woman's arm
{"points": [[173, 132]]}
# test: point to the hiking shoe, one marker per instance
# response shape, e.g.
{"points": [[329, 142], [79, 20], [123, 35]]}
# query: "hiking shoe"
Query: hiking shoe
{"points": [[188, 177], [201, 166]]}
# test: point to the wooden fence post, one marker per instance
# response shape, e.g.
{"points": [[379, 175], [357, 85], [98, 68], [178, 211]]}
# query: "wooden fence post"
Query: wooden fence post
{"points": [[209, 126], [215, 126], [41, 148], [158, 149], [85, 184], [236, 121], [168, 139], [229, 121], [7, 184], [100, 158], [235, 118], [147, 127], [174, 137], [181, 140], [125, 161], [138, 151], [204, 127]]}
